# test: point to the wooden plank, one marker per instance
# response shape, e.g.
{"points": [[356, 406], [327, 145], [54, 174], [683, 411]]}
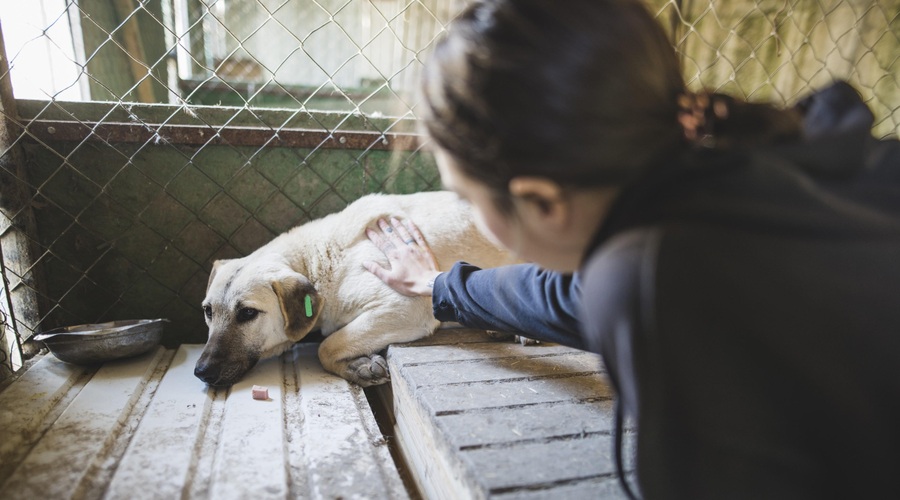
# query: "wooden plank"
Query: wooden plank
{"points": [[456, 398], [163, 447], [200, 476], [523, 466], [607, 488], [85, 434], [416, 355], [434, 465], [294, 421], [507, 425], [29, 405], [250, 459], [345, 453], [98, 476], [22, 264], [497, 369]]}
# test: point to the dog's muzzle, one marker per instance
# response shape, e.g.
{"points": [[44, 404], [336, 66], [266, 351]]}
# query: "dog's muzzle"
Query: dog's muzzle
{"points": [[223, 371]]}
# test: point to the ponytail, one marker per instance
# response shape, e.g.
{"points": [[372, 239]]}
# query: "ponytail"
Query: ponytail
{"points": [[719, 121]]}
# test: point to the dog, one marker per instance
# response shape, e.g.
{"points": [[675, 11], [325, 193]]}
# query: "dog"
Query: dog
{"points": [[312, 278]]}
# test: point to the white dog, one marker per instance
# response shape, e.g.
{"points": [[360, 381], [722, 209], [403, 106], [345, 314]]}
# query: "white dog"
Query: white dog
{"points": [[312, 277]]}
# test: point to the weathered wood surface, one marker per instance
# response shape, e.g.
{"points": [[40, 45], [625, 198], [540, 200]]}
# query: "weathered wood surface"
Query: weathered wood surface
{"points": [[473, 418], [480, 419], [147, 428]]}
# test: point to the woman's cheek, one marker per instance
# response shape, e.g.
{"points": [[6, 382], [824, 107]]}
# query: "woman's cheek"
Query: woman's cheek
{"points": [[494, 229]]}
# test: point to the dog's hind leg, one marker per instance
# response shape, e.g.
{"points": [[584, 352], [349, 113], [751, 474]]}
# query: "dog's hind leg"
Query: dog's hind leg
{"points": [[352, 351]]}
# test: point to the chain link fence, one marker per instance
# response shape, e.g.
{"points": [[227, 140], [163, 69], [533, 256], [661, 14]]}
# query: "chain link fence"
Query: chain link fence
{"points": [[142, 139]]}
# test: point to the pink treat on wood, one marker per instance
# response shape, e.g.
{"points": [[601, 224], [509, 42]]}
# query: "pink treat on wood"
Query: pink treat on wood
{"points": [[260, 392]]}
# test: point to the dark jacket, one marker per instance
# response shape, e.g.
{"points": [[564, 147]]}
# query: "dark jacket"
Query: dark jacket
{"points": [[746, 306]]}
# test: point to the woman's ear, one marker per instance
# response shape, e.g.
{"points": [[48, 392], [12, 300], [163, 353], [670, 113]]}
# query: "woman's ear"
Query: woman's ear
{"points": [[540, 199]]}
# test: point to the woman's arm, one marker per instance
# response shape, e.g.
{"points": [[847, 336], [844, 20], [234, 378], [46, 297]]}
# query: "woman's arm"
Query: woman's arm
{"points": [[522, 299]]}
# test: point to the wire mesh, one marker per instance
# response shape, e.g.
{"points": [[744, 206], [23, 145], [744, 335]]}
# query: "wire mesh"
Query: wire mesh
{"points": [[148, 138]]}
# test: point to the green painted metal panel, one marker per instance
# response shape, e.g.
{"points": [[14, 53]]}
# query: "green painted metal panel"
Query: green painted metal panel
{"points": [[130, 230]]}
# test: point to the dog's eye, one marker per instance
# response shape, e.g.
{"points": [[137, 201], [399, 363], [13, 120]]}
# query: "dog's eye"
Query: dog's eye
{"points": [[207, 310], [247, 313]]}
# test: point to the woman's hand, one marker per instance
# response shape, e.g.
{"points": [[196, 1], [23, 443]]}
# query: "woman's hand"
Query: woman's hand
{"points": [[413, 267]]}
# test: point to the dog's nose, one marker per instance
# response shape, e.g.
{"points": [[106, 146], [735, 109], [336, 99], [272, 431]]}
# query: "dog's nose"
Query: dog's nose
{"points": [[218, 369], [206, 373]]}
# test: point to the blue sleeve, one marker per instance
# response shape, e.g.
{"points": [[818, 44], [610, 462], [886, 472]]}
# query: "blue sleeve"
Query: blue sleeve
{"points": [[522, 299]]}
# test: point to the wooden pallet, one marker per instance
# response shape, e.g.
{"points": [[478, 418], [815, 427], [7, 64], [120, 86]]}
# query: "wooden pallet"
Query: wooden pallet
{"points": [[476, 418], [147, 428]]}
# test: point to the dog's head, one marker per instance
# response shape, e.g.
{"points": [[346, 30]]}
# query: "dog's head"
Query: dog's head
{"points": [[255, 308]]}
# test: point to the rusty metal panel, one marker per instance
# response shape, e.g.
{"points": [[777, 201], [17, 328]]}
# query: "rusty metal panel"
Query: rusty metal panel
{"points": [[67, 131]]}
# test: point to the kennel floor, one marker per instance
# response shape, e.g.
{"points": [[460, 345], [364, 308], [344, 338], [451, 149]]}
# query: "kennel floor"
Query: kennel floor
{"points": [[147, 428], [469, 417]]}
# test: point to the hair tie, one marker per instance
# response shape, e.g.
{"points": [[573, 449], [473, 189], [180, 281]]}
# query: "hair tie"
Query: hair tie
{"points": [[697, 114]]}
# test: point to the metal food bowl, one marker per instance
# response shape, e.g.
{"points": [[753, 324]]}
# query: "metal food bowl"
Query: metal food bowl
{"points": [[101, 342]]}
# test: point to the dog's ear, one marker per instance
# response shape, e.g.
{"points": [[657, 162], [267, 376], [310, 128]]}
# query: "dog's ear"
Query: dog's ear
{"points": [[212, 274], [300, 305]]}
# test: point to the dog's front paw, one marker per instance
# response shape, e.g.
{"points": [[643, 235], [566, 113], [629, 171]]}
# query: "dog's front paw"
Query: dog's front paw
{"points": [[368, 370]]}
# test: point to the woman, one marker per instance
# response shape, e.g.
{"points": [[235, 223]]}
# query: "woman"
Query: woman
{"points": [[738, 266]]}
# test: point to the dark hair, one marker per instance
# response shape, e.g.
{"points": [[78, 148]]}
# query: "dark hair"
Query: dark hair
{"points": [[583, 92]]}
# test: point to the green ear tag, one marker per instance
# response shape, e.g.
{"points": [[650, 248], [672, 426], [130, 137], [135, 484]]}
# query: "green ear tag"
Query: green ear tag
{"points": [[308, 303]]}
